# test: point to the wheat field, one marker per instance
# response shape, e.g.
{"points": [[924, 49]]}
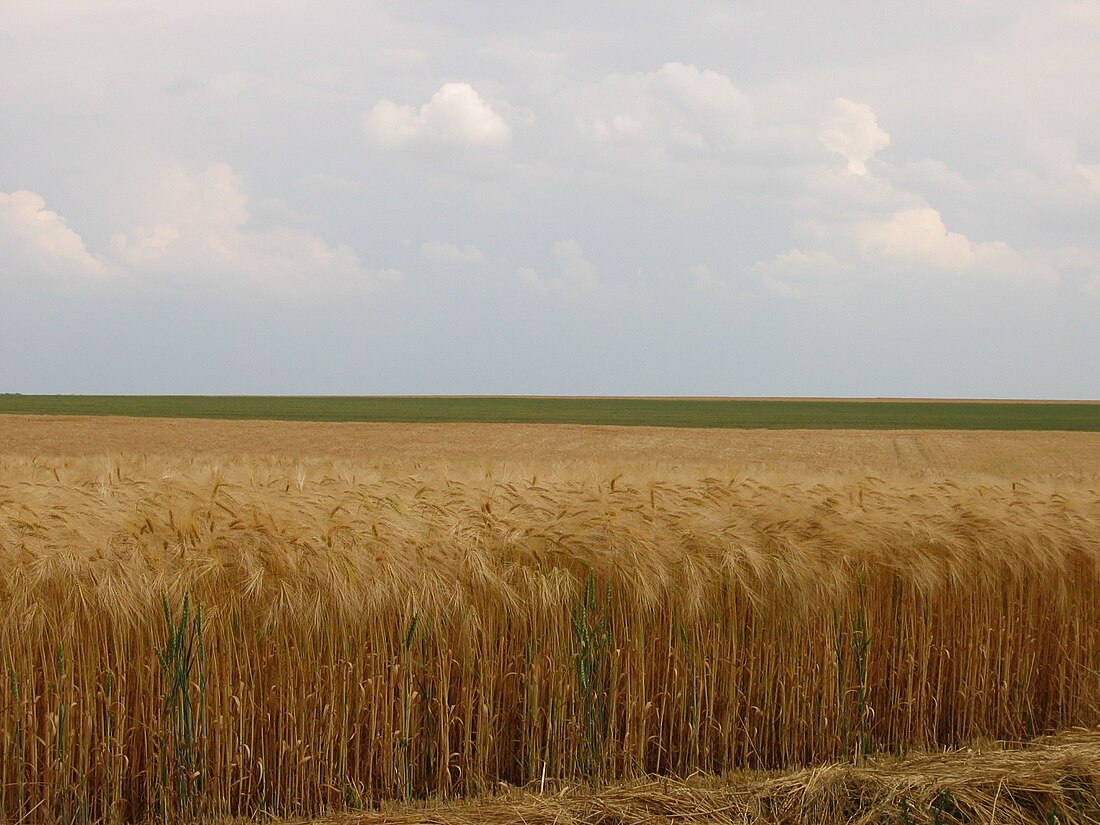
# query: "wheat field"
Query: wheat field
{"points": [[208, 621]]}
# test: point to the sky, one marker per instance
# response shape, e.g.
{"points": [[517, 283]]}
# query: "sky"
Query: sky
{"points": [[610, 198]]}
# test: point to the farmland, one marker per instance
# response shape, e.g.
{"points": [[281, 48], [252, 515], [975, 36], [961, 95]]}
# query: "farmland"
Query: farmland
{"points": [[212, 619], [768, 413]]}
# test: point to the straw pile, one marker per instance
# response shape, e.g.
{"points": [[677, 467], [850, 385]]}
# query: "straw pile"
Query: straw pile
{"points": [[1053, 781]]}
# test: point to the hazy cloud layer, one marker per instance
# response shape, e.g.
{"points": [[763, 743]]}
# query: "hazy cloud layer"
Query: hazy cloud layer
{"points": [[443, 252], [676, 108], [198, 230], [706, 199], [570, 274], [197, 234]]}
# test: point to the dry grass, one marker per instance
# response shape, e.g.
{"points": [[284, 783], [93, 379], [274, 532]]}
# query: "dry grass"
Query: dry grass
{"points": [[368, 635]]}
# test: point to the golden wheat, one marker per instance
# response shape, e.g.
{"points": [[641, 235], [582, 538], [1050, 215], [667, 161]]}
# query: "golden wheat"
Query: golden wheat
{"points": [[231, 636], [567, 452]]}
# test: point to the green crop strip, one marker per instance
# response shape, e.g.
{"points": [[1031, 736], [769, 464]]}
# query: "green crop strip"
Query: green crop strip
{"points": [[653, 412]]}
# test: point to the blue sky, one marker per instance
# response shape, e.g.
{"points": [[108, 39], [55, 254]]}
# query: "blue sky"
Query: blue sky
{"points": [[618, 198]]}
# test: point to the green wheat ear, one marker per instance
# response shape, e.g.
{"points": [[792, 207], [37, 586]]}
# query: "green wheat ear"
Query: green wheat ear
{"points": [[180, 758]]}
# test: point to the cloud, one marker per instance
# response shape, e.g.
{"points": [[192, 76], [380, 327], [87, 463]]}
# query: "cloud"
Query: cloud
{"points": [[199, 229], [1075, 264], [929, 175], [677, 107], [853, 132], [788, 273], [703, 277], [36, 241], [456, 114], [398, 57], [329, 184], [182, 86], [918, 237], [442, 252], [1090, 172], [701, 90], [573, 274]]}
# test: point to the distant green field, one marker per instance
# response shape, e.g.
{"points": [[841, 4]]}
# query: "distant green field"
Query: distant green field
{"points": [[670, 412]]}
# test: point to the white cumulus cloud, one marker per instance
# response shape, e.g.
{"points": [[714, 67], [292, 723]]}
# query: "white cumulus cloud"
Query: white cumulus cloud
{"points": [[456, 114], [37, 241], [853, 132], [198, 229], [572, 273], [918, 237]]}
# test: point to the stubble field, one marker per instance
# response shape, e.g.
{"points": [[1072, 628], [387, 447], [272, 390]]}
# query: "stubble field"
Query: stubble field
{"points": [[215, 619]]}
